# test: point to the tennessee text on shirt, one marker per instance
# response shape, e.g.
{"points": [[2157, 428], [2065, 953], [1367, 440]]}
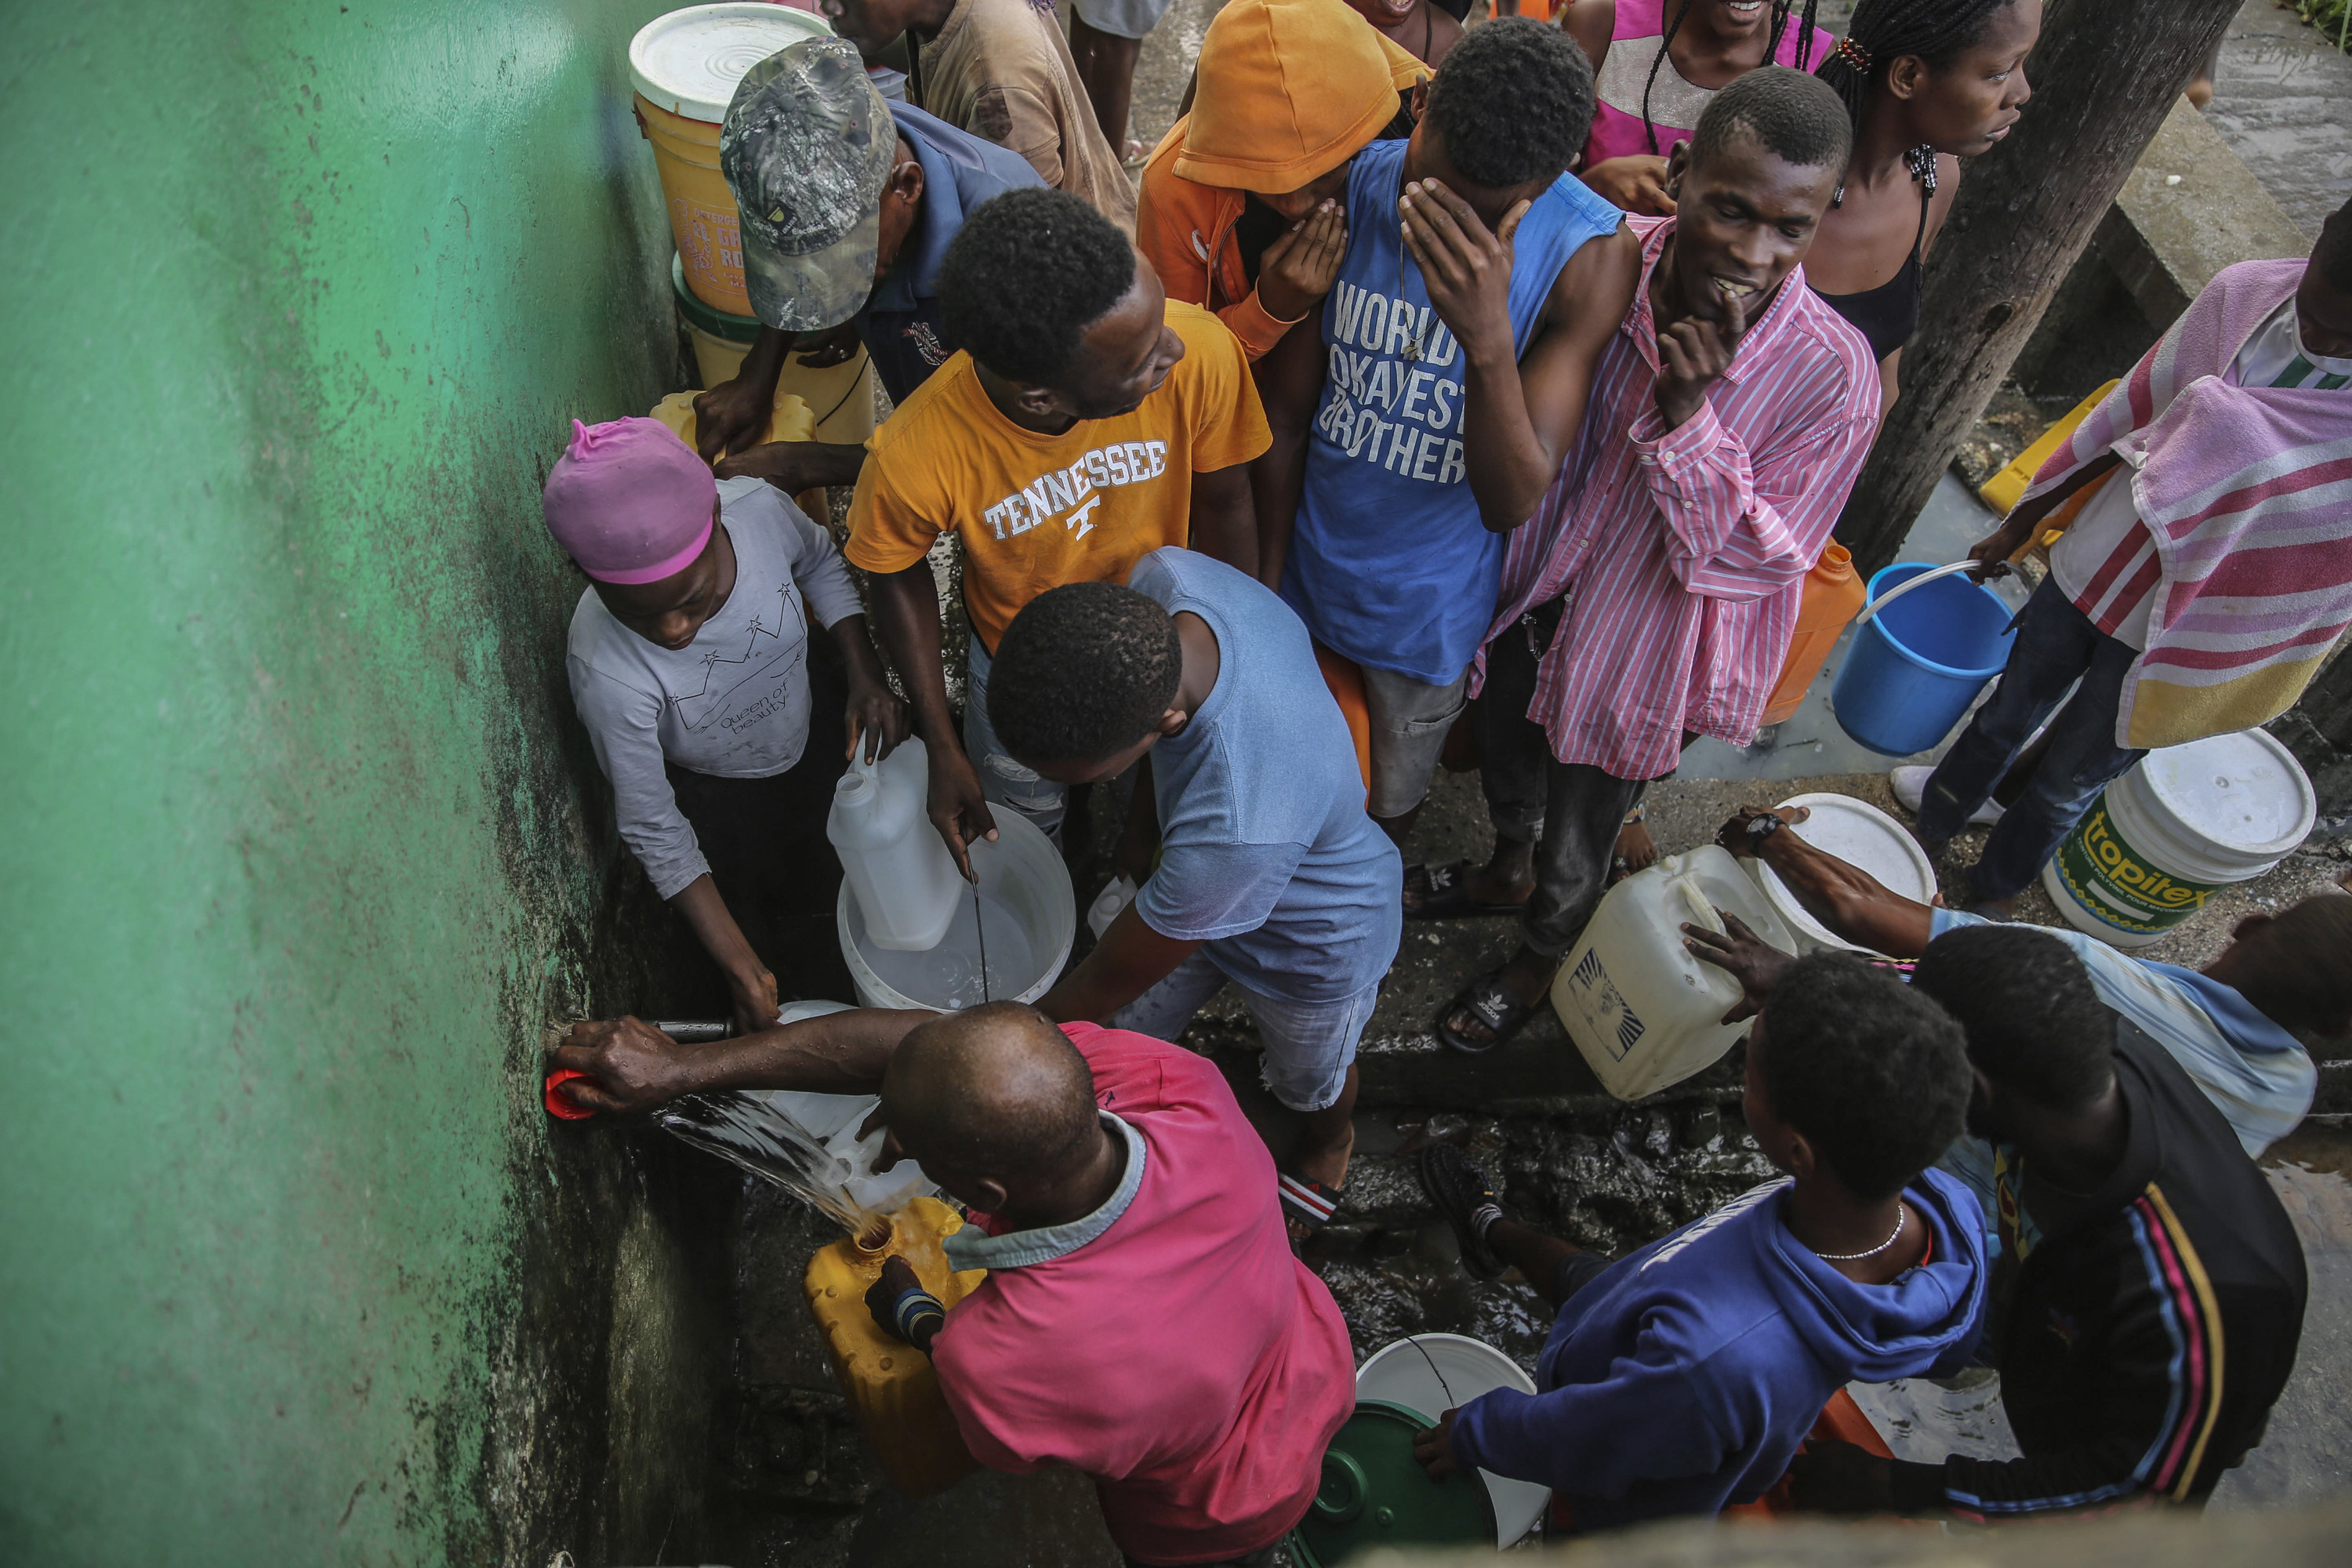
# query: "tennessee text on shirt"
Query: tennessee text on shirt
{"points": [[1072, 490], [1394, 412]]}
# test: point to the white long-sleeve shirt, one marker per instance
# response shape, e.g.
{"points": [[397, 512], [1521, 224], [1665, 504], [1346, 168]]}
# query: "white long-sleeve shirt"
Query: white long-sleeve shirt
{"points": [[734, 703]]}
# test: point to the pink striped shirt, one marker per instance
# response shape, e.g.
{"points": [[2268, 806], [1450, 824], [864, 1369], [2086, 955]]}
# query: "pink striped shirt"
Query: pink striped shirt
{"points": [[1684, 551]]}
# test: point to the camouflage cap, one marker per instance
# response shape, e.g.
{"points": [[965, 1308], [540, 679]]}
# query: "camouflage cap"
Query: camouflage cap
{"points": [[807, 146]]}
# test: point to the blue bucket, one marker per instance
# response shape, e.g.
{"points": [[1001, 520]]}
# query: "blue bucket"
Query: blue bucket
{"points": [[1913, 668]]}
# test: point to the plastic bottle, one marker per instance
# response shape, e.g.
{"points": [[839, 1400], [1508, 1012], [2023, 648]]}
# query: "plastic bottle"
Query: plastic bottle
{"points": [[896, 867], [891, 1386], [1643, 1010], [1834, 597]]}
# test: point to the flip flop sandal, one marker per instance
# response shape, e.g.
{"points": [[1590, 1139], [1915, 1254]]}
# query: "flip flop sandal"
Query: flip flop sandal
{"points": [[1307, 1201], [1445, 895], [1489, 1001], [1459, 1189]]}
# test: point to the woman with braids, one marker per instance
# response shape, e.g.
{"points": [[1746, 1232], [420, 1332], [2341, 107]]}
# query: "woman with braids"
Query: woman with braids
{"points": [[1928, 83], [1657, 63]]}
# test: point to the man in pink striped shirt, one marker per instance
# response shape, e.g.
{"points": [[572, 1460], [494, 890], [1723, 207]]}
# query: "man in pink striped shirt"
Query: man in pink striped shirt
{"points": [[1652, 597]]}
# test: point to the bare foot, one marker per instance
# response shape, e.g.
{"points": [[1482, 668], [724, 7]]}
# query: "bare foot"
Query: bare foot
{"points": [[1636, 851]]}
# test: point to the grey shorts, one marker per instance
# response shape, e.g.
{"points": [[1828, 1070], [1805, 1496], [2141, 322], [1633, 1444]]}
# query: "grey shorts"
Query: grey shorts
{"points": [[1121, 18], [1411, 719]]}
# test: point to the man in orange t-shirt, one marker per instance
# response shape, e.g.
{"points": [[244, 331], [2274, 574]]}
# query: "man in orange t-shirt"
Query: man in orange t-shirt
{"points": [[1085, 423]]}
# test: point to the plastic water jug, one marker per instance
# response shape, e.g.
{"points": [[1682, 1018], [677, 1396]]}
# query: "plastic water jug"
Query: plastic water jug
{"points": [[1832, 597], [896, 867], [892, 1386], [1643, 1010]]}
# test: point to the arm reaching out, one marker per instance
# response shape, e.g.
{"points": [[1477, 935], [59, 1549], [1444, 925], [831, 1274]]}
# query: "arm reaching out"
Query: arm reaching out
{"points": [[632, 1066], [1851, 902]]}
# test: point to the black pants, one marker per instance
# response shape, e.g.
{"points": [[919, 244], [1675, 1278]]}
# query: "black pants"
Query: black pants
{"points": [[1570, 811], [769, 856]]}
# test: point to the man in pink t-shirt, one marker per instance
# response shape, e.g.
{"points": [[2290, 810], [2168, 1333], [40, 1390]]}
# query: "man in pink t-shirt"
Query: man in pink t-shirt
{"points": [[1143, 1318]]}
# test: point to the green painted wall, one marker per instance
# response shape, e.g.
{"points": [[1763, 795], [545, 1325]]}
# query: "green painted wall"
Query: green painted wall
{"points": [[301, 854]]}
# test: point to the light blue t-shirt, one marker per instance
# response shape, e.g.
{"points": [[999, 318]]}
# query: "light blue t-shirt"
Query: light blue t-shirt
{"points": [[1267, 855], [1389, 562], [2257, 1075]]}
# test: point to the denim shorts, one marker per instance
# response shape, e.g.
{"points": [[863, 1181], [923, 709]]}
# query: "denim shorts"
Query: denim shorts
{"points": [[1309, 1046]]}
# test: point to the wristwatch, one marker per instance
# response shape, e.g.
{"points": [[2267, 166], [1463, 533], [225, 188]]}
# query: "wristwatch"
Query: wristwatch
{"points": [[1760, 827]]}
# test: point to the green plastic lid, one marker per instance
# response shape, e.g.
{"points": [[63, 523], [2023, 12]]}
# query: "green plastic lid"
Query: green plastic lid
{"points": [[1375, 1493], [718, 323]]}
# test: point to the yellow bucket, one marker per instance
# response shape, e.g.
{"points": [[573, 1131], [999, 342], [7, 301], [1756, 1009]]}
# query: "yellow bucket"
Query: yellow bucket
{"points": [[840, 398], [684, 67]]}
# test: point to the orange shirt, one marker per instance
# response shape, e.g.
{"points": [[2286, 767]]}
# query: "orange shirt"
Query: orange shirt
{"points": [[1034, 511]]}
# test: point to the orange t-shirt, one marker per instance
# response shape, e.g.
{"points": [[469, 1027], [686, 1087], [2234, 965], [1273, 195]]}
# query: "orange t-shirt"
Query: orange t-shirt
{"points": [[1035, 511]]}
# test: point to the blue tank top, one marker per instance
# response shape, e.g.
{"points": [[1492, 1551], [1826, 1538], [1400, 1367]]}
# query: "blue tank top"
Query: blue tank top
{"points": [[1389, 563]]}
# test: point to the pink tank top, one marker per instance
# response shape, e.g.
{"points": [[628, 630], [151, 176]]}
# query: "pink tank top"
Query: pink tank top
{"points": [[1675, 104]]}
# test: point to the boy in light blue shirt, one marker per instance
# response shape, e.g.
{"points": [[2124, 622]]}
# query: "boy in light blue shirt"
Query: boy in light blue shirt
{"points": [[1271, 876]]}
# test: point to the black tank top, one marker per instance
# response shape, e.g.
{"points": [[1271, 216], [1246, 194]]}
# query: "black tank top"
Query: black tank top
{"points": [[1887, 315]]}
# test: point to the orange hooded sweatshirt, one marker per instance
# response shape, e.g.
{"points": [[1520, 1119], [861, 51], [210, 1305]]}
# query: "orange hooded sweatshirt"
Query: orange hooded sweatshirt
{"points": [[1289, 89]]}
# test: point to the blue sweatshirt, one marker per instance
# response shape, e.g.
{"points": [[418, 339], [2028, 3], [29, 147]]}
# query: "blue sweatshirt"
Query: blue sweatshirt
{"points": [[1684, 1377]]}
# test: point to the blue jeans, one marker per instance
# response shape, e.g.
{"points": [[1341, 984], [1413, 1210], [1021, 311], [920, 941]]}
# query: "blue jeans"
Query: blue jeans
{"points": [[1308, 1044], [2056, 645], [1003, 779]]}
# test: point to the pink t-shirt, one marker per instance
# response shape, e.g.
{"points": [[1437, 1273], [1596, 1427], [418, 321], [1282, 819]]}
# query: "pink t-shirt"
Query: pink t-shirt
{"points": [[1675, 104], [1183, 1357]]}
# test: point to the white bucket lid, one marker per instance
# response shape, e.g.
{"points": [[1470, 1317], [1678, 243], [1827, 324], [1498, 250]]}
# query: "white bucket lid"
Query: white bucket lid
{"points": [[2244, 792], [1861, 835], [689, 61], [1436, 1372]]}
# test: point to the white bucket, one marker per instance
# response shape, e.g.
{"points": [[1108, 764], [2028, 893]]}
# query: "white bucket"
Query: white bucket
{"points": [[1031, 919], [1433, 1374], [2181, 826], [1862, 836]]}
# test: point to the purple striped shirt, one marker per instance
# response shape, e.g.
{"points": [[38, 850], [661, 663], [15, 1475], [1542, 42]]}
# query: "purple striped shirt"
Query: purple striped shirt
{"points": [[1684, 552]]}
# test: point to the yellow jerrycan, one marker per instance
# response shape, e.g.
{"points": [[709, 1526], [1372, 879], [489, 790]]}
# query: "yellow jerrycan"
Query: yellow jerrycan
{"points": [[890, 1386]]}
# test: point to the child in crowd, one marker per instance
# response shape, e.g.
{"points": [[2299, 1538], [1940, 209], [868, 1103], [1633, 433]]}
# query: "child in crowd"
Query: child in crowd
{"points": [[1081, 426], [2199, 589], [691, 667], [1241, 208], [1659, 64], [2117, 1106], [1001, 70], [850, 202], [1682, 1378], [1653, 598], [1271, 876], [1142, 1320], [1425, 415]]}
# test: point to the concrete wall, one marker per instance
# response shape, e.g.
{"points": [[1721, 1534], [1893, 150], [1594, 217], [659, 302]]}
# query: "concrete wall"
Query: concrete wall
{"points": [[300, 855]]}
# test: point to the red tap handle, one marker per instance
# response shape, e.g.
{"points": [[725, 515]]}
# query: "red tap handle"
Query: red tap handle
{"points": [[561, 1104]]}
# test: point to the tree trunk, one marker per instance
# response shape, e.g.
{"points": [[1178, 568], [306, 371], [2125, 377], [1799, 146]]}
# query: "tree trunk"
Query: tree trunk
{"points": [[2104, 78]]}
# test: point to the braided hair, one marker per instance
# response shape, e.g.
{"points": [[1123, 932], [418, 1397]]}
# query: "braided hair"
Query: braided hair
{"points": [[1938, 31], [1781, 9]]}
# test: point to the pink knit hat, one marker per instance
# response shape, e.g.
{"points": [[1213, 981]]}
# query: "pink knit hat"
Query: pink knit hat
{"points": [[630, 501]]}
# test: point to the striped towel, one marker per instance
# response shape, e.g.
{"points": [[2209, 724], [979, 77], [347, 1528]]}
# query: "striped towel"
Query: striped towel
{"points": [[2248, 493]]}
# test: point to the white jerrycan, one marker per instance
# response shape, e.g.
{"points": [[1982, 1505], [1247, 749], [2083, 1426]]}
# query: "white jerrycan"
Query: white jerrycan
{"points": [[898, 868], [1640, 1008]]}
